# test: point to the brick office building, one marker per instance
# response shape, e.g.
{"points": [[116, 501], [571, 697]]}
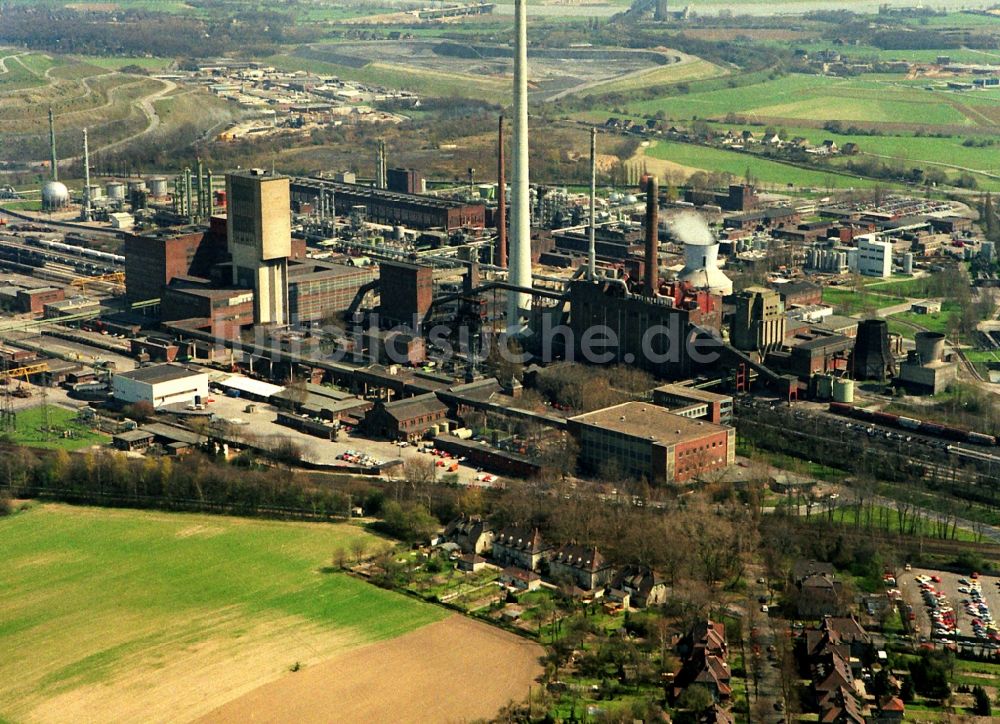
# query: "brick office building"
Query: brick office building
{"points": [[645, 441]]}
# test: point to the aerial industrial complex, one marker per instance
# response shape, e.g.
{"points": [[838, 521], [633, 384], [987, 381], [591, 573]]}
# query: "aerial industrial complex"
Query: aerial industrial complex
{"points": [[396, 299], [337, 376]]}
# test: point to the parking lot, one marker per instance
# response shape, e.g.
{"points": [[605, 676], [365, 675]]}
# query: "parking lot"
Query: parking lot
{"points": [[971, 610], [262, 426]]}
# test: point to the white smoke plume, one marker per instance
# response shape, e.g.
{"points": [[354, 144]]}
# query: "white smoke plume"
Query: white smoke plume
{"points": [[691, 228]]}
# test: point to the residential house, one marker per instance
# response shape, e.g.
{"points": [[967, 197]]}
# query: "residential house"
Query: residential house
{"points": [[640, 584], [471, 532], [890, 710], [704, 651], [471, 563], [520, 547], [585, 567], [772, 140], [520, 579]]}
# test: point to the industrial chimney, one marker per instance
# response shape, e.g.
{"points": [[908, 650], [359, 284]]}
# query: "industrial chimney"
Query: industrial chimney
{"points": [[592, 230], [85, 211], [501, 253], [652, 260], [52, 147], [519, 303]]}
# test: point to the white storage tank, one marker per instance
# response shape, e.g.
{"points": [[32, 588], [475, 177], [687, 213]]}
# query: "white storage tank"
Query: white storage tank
{"points": [[115, 190], [158, 187]]}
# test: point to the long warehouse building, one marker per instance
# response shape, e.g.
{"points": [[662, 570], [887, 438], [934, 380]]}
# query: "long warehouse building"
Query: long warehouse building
{"points": [[382, 206]]}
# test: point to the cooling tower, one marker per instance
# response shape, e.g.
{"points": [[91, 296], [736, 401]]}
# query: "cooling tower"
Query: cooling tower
{"points": [[871, 359]]}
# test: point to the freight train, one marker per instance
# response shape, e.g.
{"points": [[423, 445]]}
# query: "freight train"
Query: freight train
{"points": [[75, 250], [923, 427]]}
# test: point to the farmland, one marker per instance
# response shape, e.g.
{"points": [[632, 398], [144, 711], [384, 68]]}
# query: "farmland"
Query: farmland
{"points": [[141, 616], [766, 172]]}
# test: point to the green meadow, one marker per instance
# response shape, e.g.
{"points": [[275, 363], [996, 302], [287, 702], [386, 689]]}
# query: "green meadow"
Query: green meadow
{"points": [[95, 597]]}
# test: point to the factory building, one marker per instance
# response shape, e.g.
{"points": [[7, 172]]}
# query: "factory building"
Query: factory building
{"points": [[405, 180], [259, 233], [739, 197], [34, 300], [160, 385], [759, 322], [391, 207], [695, 403], [645, 441], [798, 293], [874, 257], [317, 290], [155, 259], [406, 291], [223, 312], [676, 309]]}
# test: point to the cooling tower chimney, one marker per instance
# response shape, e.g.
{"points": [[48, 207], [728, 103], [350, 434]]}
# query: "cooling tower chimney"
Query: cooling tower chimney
{"points": [[660, 13], [871, 358], [592, 245], [52, 147], [501, 251], [652, 256], [930, 347], [519, 303], [85, 212]]}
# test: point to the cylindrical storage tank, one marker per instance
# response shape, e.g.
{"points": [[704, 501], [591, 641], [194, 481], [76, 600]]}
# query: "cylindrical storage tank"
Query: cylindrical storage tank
{"points": [[96, 192], [399, 233], [158, 187], [116, 190], [134, 186], [843, 391], [824, 387], [930, 346], [908, 263]]}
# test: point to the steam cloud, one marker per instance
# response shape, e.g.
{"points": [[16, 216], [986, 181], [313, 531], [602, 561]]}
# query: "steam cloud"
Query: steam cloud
{"points": [[691, 228]]}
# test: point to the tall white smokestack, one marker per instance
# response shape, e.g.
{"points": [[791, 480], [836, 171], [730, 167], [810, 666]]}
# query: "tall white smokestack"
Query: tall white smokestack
{"points": [[85, 213], [519, 303]]}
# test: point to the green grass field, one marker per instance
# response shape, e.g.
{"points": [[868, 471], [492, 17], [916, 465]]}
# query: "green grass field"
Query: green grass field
{"points": [[30, 429], [848, 301], [866, 100], [93, 596], [940, 322]]}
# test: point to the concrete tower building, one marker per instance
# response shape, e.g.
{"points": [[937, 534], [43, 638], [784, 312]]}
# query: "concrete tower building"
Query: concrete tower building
{"points": [[259, 233], [661, 12], [519, 263], [759, 322]]}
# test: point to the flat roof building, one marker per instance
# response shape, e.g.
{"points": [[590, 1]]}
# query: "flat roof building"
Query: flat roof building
{"points": [[643, 440], [160, 385]]}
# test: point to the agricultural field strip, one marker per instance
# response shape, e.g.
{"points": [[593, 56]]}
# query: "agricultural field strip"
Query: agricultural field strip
{"points": [[82, 606]]}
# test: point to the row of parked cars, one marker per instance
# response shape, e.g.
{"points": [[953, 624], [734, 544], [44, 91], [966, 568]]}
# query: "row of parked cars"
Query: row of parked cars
{"points": [[360, 458], [943, 620], [983, 626]]}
